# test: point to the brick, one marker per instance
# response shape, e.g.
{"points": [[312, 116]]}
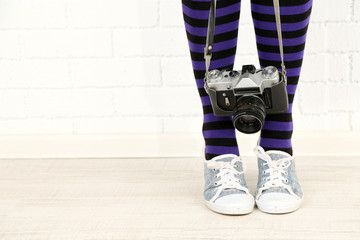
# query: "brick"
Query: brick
{"points": [[339, 12], [35, 74], [177, 71], [356, 10], [151, 42], [183, 124], [313, 98], [319, 12], [325, 11], [65, 103], [12, 103], [309, 122], [118, 125], [341, 37], [10, 45], [177, 101], [171, 14], [344, 97], [355, 74], [94, 102], [34, 14], [314, 68], [41, 103], [113, 13], [117, 73], [329, 121], [325, 67], [36, 126], [316, 39], [81, 43], [338, 67]]}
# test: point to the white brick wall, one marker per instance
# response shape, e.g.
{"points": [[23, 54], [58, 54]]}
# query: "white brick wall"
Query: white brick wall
{"points": [[95, 66]]}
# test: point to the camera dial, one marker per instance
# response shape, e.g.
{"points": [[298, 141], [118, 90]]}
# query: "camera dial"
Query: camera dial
{"points": [[234, 73], [270, 72], [214, 75]]}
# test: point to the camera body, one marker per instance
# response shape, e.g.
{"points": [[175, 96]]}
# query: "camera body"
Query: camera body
{"points": [[247, 95]]}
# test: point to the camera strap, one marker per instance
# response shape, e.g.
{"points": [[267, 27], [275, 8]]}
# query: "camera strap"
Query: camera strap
{"points": [[211, 30], [210, 36], [278, 27]]}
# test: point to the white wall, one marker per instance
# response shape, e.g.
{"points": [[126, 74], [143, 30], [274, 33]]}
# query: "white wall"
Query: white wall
{"points": [[108, 66]]}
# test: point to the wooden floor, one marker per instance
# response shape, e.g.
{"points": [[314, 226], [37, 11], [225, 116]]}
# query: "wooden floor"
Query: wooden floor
{"points": [[158, 199]]}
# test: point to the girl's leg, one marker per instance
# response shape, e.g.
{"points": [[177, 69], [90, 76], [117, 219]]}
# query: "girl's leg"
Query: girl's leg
{"points": [[295, 14], [218, 132]]}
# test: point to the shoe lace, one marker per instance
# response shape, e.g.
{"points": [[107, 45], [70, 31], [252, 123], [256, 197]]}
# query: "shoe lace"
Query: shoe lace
{"points": [[227, 172], [276, 169]]}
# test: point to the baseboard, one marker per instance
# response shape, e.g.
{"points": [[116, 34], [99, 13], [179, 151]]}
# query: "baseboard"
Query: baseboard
{"points": [[314, 143]]}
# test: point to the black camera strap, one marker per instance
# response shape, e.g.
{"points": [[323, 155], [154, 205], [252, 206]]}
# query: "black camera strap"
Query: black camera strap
{"points": [[211, 30]]}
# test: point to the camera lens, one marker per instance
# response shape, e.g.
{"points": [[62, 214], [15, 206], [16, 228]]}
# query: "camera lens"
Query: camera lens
{"points": [[247, 119], [249, 114]]}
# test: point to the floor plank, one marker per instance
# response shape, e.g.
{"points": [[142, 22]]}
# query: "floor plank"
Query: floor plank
{"points": [[161, 199]]}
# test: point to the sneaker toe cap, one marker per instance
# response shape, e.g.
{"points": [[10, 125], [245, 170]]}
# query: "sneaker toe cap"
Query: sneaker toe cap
{"points": [[276, 202], [235, 200]]}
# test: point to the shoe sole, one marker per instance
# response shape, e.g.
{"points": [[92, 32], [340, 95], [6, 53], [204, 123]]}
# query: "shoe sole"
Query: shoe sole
{"points": [[229, 211], [279, 209]]}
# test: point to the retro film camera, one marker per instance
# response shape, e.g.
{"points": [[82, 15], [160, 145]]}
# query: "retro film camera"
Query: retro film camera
{"points": [[247, 95]]}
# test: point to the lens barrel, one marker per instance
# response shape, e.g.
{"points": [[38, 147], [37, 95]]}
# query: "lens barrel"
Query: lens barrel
{"points": [[249, 114]]}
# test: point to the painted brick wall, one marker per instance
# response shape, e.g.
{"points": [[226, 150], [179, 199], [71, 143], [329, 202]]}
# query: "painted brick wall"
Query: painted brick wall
{"points": [[95, 66]]}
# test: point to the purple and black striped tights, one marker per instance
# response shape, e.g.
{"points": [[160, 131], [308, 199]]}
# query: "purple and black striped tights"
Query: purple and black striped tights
{"points": [[219, 132]]}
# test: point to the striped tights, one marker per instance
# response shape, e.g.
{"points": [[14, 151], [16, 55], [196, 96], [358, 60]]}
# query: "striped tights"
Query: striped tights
{"points": [[219, 132]]}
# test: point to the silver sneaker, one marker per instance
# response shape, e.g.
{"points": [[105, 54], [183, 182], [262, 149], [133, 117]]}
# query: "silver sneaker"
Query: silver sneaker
{"points": [[278, 189], [225, 188]]}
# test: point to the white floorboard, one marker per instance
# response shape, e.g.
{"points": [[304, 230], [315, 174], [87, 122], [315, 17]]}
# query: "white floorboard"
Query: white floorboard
{"points": [[161, 199]]}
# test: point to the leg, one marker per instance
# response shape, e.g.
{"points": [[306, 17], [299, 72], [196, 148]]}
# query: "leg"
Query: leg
{"points": [[277, 177], [295, 15], [218, 132]]}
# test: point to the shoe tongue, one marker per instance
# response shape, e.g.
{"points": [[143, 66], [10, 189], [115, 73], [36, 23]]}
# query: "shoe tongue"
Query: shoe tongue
{"points": [[277, 189], [276, 156], [224, 159]]}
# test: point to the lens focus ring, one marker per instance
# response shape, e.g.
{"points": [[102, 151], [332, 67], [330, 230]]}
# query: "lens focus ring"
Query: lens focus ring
{"points": [[249, 114]]}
